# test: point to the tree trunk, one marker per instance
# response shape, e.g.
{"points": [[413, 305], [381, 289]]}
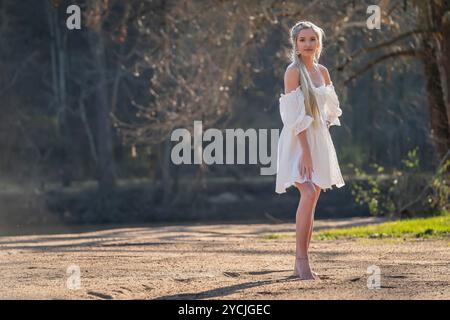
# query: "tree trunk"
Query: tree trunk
{"points": [[443, 54], [106, 173], [59, 80], [166, 177], [436, 63], [437, 111]]}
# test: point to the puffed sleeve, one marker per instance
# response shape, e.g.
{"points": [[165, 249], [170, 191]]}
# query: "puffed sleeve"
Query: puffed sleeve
{"points": [[332, 110], [293, 112]]}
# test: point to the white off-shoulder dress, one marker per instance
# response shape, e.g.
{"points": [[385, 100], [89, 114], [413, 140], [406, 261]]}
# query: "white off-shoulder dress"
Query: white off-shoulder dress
{"points": [[326, 171]]}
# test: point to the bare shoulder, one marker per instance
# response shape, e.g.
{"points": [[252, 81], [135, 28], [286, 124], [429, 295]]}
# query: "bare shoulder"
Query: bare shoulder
{"points": [[325, 73], [291, 78], [291, 71]]}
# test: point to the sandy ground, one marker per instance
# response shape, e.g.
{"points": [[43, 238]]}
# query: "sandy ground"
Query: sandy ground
{"points": [[222, 261]]}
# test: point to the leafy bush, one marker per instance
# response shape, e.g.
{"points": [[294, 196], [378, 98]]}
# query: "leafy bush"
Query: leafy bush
{"points": [[406, 191]]}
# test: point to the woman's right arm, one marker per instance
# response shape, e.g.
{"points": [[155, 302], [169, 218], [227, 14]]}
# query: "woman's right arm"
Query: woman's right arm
{"points": [[291, 82], [306, 167]]}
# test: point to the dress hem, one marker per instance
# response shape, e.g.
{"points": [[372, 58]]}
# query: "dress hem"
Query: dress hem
{"points": [[299, 180]]}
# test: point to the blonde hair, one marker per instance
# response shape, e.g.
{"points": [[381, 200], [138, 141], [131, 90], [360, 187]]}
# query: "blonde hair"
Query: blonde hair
{"points": [[306, 84]]}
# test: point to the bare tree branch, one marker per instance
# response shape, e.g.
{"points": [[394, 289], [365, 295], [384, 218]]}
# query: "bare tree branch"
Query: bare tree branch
{"points": [[380, 45], [368, 66]]}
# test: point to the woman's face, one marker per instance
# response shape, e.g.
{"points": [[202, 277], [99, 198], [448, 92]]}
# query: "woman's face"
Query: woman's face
{"points": [[307, 42]]}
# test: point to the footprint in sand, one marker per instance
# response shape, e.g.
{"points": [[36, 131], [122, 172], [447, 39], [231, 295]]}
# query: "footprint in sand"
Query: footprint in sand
{"points": [[257, 273], [396, 276], [231, 274], [147, 288], [355, 279], [100, 295]]}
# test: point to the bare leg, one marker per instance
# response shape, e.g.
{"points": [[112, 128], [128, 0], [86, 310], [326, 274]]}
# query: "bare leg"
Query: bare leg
{"points": [[318, 190], [314, 212], [317, 194], [304, 217]]}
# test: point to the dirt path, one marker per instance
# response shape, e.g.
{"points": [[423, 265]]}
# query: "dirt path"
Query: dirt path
{"points": [[217, 262]]}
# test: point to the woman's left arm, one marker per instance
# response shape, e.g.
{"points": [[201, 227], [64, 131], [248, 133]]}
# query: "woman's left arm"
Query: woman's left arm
{"points": [[334, 111]]}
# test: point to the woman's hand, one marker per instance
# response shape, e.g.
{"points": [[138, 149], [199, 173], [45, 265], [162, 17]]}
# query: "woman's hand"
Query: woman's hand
{"points": [[305, 165], [328, 124]]}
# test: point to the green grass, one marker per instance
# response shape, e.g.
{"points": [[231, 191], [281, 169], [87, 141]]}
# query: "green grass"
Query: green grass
{"points": [[274, 236], [435, 227]]}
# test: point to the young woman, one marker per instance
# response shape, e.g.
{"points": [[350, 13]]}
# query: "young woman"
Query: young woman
{"points": [[306, 155]]}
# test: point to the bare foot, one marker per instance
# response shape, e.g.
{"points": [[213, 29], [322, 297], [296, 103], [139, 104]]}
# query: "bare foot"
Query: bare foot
{"points": [[315, 274], [303, 270]]}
